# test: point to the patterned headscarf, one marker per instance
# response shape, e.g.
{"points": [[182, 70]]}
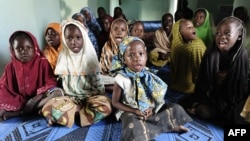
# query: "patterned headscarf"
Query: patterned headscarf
{"points": [[109, 50], [150, 89]]}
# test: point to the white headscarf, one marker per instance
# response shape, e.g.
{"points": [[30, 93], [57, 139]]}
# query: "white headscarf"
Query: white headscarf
{"points": [[83, 63]]}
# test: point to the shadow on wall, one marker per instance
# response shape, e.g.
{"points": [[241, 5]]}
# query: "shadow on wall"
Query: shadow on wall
{"points": [[3, 63], [65, 10]]}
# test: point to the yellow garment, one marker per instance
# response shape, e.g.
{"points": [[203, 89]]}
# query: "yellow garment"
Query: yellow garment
{"points": [[246, 110], [185, 61], [154, 59], [50, 52], [162, 45]]}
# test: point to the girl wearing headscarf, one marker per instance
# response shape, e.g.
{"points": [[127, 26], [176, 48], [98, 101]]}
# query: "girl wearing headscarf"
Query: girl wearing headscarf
{"points": [[222, 84], [79, 70], [204, 26], [139, 96], [159, 57], [53, 43], [118, 31], [81, 18], [91, 21], [186, 54], [28, 80]]}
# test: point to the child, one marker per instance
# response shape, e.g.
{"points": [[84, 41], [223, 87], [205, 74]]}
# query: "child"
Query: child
{"points": [[119, 30], [53, 43], [222, 83], [91, 21], [138, 95], [104, 34], [136, 28], [78, 68], [80, 17], [204, 26], [159, 57], [28, 80], [186, 53]]}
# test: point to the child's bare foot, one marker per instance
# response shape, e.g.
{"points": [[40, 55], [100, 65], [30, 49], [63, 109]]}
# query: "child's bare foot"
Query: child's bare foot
{"points": [[180, 129], [8, 115], [1, 115]]}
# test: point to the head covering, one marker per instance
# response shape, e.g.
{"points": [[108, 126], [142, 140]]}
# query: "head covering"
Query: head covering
{"points": [[150, 89], [205, 31], [185, 60], [92, 24], [109, 50], [17, 83], [50, 52], [235, 86], [83, 63]]}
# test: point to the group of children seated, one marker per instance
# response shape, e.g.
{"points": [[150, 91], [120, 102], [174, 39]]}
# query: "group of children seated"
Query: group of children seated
{"points": [[65, 80]]}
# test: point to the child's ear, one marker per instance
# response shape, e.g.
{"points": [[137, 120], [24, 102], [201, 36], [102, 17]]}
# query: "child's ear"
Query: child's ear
{"points": [[239, 37]]}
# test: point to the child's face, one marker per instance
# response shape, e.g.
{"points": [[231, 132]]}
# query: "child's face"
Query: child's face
{"points": [[119, 31], [226, 36], [74, 39], [87, 15], [135, 56], [187, 30], [23, 49], [52, 38], [167, 23], [199, 18], [81, 19], [138, 30], [106, 25]]}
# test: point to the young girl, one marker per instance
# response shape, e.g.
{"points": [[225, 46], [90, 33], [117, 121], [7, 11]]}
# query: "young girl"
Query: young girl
{"points": [[78, 68], [104, 34], [159, 57], [221, 88], [186, 54], [53, 43], [136, 28], [28, 80], [119, 30], [204, 26], [138, 95], [80, 17], [91, 21]]}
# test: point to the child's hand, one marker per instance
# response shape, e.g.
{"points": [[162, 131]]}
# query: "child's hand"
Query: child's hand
{"points": [[29, 106], [139, 113], [148, 112]]}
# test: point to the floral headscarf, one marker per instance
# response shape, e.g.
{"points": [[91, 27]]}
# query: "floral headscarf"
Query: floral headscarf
{"points": [[150, 89]]}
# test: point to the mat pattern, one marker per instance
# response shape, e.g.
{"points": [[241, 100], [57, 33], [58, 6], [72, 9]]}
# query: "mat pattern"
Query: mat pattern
{"points": [[36, 129]]}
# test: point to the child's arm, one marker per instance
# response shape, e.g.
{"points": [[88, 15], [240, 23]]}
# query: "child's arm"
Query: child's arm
{"points": [[116, 96]]}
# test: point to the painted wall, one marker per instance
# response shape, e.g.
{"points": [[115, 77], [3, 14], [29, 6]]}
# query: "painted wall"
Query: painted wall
{"points": [[31, 15]]}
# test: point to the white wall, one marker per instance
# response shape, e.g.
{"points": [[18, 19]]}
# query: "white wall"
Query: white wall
{"points": [[31, 15]]}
